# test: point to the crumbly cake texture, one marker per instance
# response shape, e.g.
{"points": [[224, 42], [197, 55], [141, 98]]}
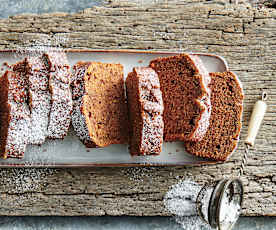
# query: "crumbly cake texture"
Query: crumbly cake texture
{"points": [[186, 96], [14, 116], [78, 91], [145, 107], [225, 123], [104, 104], [39, 96], [99, 115], [61, 97]]}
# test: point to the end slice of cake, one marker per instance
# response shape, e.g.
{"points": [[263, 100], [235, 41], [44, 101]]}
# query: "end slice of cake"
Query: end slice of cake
{"points": [[61, 97], [145, 107], [186, 96], [222, 136], [14, 115]]}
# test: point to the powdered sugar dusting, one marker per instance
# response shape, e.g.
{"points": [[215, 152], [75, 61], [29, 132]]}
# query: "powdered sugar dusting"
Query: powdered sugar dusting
{"points": [[78, 90], [79, 122], [152, 109], [18, 130], [18, 127], [62, 104], [43, 44], [23, 180], [205, 101], [140, 174], [180, 201]]}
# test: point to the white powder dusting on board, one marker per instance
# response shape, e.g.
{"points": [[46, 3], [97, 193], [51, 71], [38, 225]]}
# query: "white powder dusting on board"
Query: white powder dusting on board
{"points": [[43, 43], [180, 201], [140, 174], [22, 180]]}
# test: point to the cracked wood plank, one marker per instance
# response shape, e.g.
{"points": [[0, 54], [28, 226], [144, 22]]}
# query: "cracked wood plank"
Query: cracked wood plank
{"points": [[245, 36]]}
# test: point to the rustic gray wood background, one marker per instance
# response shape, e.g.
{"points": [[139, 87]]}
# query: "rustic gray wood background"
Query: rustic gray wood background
{"points": [[244, 35]]}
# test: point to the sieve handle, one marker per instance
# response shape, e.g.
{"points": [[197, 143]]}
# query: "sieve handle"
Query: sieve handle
{"points": [[256, 120]]}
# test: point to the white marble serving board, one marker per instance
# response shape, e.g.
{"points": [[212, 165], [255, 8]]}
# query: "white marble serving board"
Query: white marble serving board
{"points": [[70, 152]]}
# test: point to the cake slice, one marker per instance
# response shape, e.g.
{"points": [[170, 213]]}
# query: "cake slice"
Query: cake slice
{"points": [[98, 93], [104, 105], [78, 91], [225, 123], [186, 96], [14, 115], [145, 107], [61, 98], [39, 96]]}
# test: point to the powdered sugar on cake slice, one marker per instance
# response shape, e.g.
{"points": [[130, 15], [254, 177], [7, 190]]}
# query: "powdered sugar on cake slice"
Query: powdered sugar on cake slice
{"points": [[18, 133], [61, 97], [78, 90], [145, 106], [40, 98], [204, 102], [15, 115], [79, 124], [152, 105]]}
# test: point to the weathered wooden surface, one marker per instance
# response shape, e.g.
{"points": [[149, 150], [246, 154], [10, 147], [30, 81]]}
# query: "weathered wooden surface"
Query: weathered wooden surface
{"points": [[245, 36]]}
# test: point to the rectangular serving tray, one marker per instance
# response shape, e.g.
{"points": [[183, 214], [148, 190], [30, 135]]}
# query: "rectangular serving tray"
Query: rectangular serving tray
{"points": [[70, 152]]}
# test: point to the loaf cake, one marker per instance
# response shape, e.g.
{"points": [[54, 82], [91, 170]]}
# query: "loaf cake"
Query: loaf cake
{"points": [[225, 123], [14, 115], [145, 107], [61, 98], [39, 96], [186, 96], [103, 104]]}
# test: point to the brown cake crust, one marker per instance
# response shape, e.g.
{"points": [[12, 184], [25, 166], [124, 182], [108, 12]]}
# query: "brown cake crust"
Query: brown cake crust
{"points": [[61, 97], [77, 84], [186, 96], [145, 106], [225, 123], [78, 91], [14, 115], [104, 104]]}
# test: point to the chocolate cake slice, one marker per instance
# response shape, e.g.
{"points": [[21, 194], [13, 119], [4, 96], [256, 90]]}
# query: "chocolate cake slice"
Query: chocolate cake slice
{"points": [[145, 106], [61, 97], [14, 115], [40, 97], [222, 136], [186, 96], [98, 93]]}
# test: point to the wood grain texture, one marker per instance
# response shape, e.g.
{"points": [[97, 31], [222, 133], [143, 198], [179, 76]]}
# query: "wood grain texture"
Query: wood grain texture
{"points": [[245, 36]]}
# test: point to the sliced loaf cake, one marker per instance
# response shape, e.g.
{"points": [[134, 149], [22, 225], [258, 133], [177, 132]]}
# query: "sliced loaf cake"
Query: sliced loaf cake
{"points": [[14, 115], [225, 123], [186, 96], [145, 107], [61, 97]]}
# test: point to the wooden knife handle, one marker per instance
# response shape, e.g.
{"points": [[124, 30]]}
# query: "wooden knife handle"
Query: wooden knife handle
{"points": [[256, 120]]}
